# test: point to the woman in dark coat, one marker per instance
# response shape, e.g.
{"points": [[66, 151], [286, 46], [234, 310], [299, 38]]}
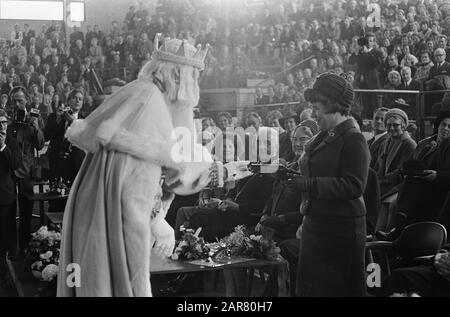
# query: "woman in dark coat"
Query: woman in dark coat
{"points": [[422, 198], [334, 170], [396, 149]]}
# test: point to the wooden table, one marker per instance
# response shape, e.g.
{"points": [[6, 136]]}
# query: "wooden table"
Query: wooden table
{"points": [[55, 217], [232, 273], [28, 286], [43, 197]]}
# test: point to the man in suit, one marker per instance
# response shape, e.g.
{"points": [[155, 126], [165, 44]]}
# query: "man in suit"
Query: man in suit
{"points": [[26, 130], [380, 134], [441, 67], [49, 74], [250, 197], [409, 84], [10, 158], [438, 73], [64, 158], [368, 60]]}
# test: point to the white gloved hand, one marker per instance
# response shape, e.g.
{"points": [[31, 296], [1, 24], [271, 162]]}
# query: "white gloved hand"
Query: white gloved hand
{"points": [[165, 238]]}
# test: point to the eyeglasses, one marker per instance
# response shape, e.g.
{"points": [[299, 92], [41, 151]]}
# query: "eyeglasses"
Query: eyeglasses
{"points": [[5, 122], [437, 55]]}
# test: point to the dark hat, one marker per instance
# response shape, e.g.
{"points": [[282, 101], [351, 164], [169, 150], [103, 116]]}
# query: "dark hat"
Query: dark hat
{"points": [[332, 86], [441, 116]]}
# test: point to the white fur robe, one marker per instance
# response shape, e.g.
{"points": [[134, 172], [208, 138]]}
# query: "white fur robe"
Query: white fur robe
{"points": [[106, 227]]}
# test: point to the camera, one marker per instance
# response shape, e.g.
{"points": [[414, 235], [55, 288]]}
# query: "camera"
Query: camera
{"points": [[282, 172], [20, 116], [34, 113]]}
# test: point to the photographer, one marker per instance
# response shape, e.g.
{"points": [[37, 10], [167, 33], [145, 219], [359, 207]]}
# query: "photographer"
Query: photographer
{"points": [[10, 159], [368, 62], [25, 129], [64, 158]]}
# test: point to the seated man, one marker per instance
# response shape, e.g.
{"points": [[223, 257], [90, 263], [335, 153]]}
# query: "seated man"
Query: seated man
{"points": [[249, 198], [281, 214], [425, 280]]}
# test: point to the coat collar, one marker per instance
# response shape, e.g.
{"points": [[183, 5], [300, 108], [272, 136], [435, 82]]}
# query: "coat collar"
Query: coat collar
{"points": [[332, 135], [393, 153]]}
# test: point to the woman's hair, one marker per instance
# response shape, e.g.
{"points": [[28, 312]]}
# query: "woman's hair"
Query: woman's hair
{"points": [[209, 120], [253, 114], [274, 115], [226, 115], [394, 72], [291, 115]]}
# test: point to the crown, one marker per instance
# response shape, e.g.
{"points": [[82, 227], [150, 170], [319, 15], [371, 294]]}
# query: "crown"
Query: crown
{"points": [[173, 51]]}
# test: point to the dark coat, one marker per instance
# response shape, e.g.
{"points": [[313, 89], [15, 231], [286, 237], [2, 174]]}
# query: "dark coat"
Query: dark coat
{"points": [[10, 159], [390, 162], [286, 147], [337, 184], [30, 140], [333, 234], [368, 69], [421, 200], [443, 70], [374, 148], [54, 132], [251, 194]]}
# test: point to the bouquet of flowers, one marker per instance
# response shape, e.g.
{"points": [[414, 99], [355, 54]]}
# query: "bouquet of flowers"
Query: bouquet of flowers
{"points": [[42, 254], [190, 247], [244, 242], [58, 187]]}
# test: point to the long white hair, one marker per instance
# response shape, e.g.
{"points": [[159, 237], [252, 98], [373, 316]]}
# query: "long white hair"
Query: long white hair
{"points": [[180, 81]]}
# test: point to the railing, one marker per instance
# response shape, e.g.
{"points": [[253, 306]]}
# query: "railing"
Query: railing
{"points": [[420, 103]]}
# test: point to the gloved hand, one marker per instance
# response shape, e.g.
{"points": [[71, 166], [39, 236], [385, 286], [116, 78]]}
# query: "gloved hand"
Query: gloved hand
{"points": [[165, 238]]}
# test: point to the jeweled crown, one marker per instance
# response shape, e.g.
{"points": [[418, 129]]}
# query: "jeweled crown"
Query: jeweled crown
{"points": [[179, 52]]}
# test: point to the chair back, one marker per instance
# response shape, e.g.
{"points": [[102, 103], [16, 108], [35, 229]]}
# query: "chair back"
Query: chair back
{"points": [[420, 239]]}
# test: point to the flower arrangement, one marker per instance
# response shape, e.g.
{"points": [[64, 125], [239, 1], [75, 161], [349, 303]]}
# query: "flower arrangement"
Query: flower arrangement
{"points": [[42, 254], [246, 243], [58, 187], [190, 247], [241, 242]]}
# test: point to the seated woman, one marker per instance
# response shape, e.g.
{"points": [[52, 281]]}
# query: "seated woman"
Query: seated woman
{"points": [[395, 150], [426, 186]]}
